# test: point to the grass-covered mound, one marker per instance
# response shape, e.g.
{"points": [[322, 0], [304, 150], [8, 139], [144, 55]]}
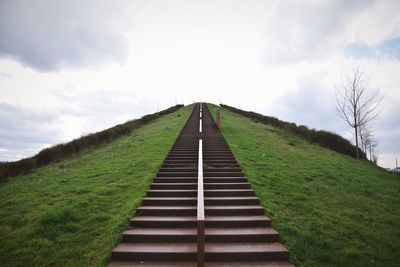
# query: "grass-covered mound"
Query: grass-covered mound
{"points": [[77, 146], [72, 213], [330, 209]]}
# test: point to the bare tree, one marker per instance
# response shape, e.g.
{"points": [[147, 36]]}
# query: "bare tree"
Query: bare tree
{"points": [[354, 104], [372, 145]]}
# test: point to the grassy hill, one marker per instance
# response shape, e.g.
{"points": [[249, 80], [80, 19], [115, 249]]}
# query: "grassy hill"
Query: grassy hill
{"points": [[330, 209], [72, 213]]}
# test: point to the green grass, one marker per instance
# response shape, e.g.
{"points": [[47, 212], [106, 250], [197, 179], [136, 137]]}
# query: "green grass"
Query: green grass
{"points": [[72, 213], [330, 209]]}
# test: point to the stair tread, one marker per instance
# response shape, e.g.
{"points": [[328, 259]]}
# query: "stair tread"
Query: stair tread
{"points": [[161, 231], [170, 198], [174, 183], [244, 247], [164, 218], [241, 231], [236, 218], [153, 264], [167, 207], [171, 190], [230, 198], [155, 248], [233, 207], [250, 264]]}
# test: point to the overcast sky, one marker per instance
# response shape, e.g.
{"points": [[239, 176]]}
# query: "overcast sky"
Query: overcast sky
{"points": [[68, 68]]}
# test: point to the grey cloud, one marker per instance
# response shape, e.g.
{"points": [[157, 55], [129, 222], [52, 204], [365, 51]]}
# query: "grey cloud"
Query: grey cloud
{"points": [[307, 30], [49, 35], [387, 126], [310, 105], [24, 131]]}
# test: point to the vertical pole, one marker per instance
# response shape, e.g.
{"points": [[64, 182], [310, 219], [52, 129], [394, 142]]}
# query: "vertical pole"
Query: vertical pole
{"points": [[219, 118]]}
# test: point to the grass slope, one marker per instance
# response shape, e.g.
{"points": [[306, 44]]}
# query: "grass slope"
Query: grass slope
{"points": [[72, 213], [330, 209]]}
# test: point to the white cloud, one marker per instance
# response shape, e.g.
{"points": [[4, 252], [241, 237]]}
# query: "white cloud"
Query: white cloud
{"points": [[49, 35]]}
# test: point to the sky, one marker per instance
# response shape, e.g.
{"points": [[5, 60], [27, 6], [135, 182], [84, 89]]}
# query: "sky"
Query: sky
{"points": [[69, 68]]}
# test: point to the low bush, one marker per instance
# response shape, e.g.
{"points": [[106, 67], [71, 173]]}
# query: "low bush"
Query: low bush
{"points": [[61, 151], [323, 138]]}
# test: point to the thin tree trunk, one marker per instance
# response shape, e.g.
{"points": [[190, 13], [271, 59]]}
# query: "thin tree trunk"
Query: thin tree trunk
{"points": [[370, 153], [356, 132]]}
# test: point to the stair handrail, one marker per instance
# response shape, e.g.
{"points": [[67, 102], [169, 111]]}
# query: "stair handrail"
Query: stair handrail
{"points": [[200, 199]]}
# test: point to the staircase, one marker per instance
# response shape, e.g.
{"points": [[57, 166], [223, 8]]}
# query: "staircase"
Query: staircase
{"points": [[165, 229]]}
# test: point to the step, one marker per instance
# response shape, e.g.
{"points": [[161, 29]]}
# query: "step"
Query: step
{"points": [[172, 193], [142, 235], [222, 170], [175, 180], [226, 186], [245, 252], [222, 174], [220, 165], [167, 210], [175, 161], [155, 252], [177, 174], [218, 161], [181, 157], [154, 264], [241, 234], [233, 210], [173, 186], [164, 221], [178, 170], [247, 264], [225, 180], [228, 192], [237, 221], [210, 201], [179, 165], [169, 201]]}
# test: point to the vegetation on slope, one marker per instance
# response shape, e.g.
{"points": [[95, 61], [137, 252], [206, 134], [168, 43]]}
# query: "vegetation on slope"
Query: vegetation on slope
{"points": [[72, 213], [326, 139], [76, 146], [330, 209]]}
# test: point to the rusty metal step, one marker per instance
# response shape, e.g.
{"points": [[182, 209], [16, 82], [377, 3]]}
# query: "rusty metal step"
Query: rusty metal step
{"points": [[169, 201], [228, 210], [226, 186], [216, 201], [241, 235], [172, 193], [155, 252], [228, 192], [175, 180], [146, 235], [245, 252], [237, 221], [164, 221], [173, 186], [167, 210]]}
